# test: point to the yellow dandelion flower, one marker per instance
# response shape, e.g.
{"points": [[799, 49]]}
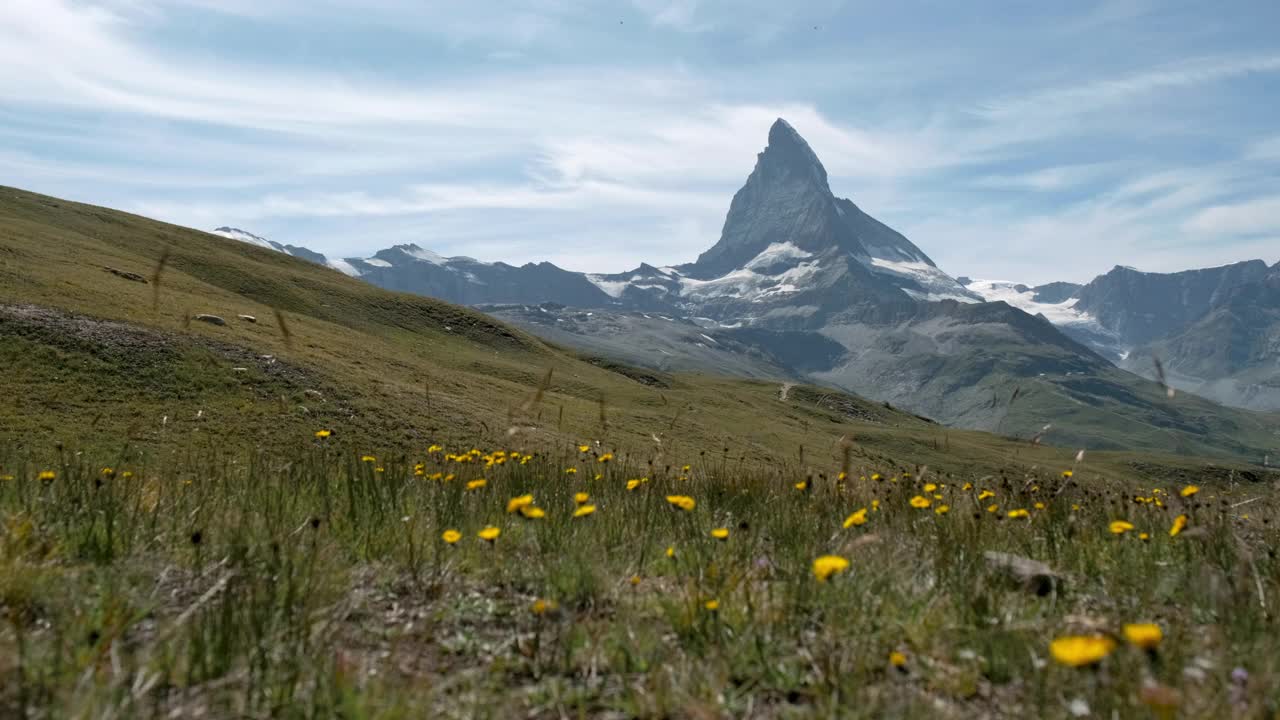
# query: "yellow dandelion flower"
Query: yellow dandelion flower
{"points": [[46, 475], [542, 607], [581, 498], [1075, 506], [108, 472], [368, 458], [897, 659], [533, 513], [633, 484], [322, 434], [920, 502], [1144, 635], [1144, 536], [1039, 506], [490, 533], [1019, 513], [584, 510], [802, 486], [1120, 527], [1190, 490], [720, 533], [942, 509], [449, 478], [451, 536], [605, 458], [1081, 650], [571, 471], [685, 468], [858, 518], [515, 503], [684, 502], [985, 494], [584, 448], [875, 476], [828, 565], [875, 505], [671, 551], [842, 476], [434, 449], [1067, 473], [993, 508], [930, 487], [477, 484], [1179, 524], [967, 486], [711, 605]]}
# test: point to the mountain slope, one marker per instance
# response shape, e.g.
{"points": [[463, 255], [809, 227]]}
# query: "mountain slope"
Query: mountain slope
{"points": [[1213, 330], [91, 363]]}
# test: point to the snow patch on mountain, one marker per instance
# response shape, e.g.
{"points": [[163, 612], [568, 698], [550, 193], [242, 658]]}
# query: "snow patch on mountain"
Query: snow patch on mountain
{"points": [[247, 237], [1023, 298], [775, 254], [343, 267], [612, 288]]}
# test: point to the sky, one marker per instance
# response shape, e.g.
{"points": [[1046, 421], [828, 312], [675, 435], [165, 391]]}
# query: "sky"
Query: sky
{"points": [[1015, 140]]}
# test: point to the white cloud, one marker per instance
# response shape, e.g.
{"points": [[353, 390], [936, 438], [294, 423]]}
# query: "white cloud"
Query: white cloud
{"points": [[1255, 217]]}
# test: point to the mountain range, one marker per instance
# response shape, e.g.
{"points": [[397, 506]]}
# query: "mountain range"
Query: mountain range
{"points": [[805, 285]]}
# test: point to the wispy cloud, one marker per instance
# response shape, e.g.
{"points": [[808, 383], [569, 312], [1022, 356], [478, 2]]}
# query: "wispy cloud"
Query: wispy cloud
{"points": [[609, 134]]}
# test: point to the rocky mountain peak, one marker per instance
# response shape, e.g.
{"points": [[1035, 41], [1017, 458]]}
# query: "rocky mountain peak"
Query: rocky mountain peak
{"points": [[789, 157]]}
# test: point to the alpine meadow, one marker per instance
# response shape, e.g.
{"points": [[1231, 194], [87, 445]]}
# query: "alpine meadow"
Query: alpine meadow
{"points": [[326, 392]]}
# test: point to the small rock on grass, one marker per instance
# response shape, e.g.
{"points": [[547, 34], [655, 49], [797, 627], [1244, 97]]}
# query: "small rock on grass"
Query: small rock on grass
{"points": [[1032, 575]]}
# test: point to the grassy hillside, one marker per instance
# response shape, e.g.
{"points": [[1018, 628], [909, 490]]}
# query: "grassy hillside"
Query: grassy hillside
{"points": [[496, 528], [96, 360]]}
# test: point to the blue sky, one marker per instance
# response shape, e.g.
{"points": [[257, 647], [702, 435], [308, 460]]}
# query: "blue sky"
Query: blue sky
{"points": [[1012, 140]]}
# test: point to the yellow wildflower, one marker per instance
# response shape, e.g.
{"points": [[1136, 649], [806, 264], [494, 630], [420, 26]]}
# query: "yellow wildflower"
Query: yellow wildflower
{"points": [[711, 605], [671, 551], [477, 484], [515, 503], [920, 502], [605, 458], [581, 498], [942, 509], [828, 565], [897, 659], [542, 607], [368, 458], [720, 533], [1179, 524], [46, 475], [1144, 635], [633, 484], [533, 513], [451, 536], [490, 533], [1081, 650], [684, 502], [985, 494], [1039, 506], [1190, 490], [584, 448], [1120, 527], [967, 486], [571, 471], [930, 487], [992, 508], [1019, 513], [584, 511], [858, 518]]}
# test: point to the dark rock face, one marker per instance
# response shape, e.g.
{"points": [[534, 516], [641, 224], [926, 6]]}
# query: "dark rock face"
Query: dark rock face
{"points": [[1143, 307], [1056, 292]]}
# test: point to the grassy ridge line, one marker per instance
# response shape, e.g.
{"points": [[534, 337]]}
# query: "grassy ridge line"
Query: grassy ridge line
{"points": [[392, 370]]}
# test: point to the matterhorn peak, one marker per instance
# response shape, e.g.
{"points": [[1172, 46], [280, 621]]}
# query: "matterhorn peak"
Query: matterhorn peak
{"points": [[788, 156]]}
